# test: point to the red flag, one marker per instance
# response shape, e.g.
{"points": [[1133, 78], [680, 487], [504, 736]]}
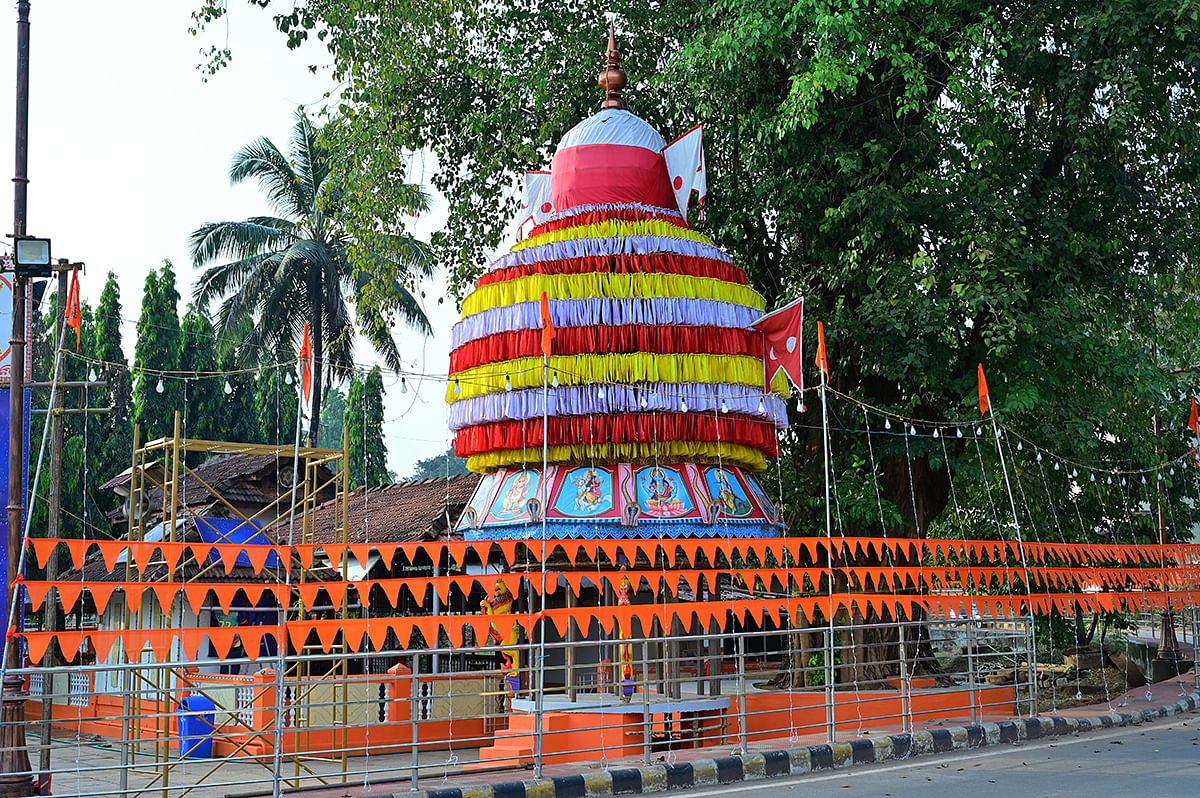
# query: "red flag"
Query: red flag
{"points": [[822, 358], [73, 315], [1194, 419], [548, 331], [782, 339], [306, 367], [984, 403]]}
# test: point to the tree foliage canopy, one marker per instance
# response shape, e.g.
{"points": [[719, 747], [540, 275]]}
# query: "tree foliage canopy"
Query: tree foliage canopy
{"points": [[946, 183]]}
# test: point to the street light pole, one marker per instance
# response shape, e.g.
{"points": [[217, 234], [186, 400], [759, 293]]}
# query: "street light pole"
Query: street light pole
{"points": [[15, 776]]}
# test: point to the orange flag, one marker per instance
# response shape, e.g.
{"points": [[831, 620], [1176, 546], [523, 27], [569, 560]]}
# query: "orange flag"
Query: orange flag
{"points": [[548, 331], [73, 315], [984, 404], [822, 360], [1194, 419], [306, 367]]}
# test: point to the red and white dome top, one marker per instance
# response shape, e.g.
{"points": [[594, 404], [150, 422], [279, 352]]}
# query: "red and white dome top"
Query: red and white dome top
{"points": [[612, 157]]}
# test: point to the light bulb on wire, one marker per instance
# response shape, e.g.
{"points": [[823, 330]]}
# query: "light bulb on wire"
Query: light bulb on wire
{"points": [[887, 423], [761, 408], [457, 389], [287, 377], [507, 383], [228, 387], [554, 379], [160, 387], [683, 404], [403, 385], [725, 407], [92, 374]]}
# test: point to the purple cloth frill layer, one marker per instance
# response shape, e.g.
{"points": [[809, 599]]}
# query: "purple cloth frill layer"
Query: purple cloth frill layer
{"points": [[585, 400], [592, 247], [604, 311]]}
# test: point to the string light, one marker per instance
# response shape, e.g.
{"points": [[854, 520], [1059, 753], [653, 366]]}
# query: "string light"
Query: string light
{"points": [[761, 408], [507, 383], [936, 434], [403, 385], [1039, 457], [554, 379], [457, 390], [92, 374], [645, 401], [683, 404], [887, 423], [958, 431], [160, 387], [287, 377], [1019, 447], [228, 388]]}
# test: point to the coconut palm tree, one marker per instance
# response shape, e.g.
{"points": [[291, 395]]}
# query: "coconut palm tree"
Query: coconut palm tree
{"points": [[277, 272]]}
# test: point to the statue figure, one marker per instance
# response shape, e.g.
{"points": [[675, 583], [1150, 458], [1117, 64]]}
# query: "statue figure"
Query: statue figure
{"points": [[501, 603]]}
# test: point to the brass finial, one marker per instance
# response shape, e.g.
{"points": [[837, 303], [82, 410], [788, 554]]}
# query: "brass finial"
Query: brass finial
{"points": [[612, 79]]}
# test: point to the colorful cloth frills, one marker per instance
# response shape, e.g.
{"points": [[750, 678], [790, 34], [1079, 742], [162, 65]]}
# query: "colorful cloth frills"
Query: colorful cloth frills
{"points": [[625, 339], [620, 428], [727, 454], [584, 400], [646, 530], [622, 286], [634, 368], [697, 451], [587, 247], [655, 263], [613, 229], [604, 311]]}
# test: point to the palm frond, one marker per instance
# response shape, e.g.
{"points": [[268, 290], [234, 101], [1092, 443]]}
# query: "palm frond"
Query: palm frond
{"points": [[231, 277], [311, 157], [263, 161], [255, 236]]}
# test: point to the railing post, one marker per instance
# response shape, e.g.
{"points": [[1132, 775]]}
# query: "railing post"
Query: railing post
{"points": [[741, 666], [1031, 659], [830, 695], [414, 712], [1195, 650], [905, 704], [971, 686], [647, 718]]}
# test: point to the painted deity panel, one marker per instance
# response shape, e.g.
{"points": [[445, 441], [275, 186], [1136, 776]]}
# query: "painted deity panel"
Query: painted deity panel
{"points": [[478, 499], [760, 495], [516, 491], [585, 492], [661, 493], [728, 493]]}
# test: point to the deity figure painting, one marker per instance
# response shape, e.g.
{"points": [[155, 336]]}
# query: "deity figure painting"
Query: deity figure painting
{"points": [[730, 498], [661, 493], [517, 491]]}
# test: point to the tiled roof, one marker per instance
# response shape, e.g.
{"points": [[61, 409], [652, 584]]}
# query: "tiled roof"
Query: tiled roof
{"points": [[406, 511]]}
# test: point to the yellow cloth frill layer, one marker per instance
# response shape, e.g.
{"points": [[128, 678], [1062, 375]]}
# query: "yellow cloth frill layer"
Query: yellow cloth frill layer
{"points": [[627, 369], [614, 229], [616, 286], [728, 454]]}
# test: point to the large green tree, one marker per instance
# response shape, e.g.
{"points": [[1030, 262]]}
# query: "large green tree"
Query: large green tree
{"points": [[293, 267], [204, 416], [116, 427], [157, 396], [364, 426]]}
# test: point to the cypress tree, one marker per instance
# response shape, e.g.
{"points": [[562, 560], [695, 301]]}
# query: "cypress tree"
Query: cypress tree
{"points": [[364, 420], [157, 350], [205, 416], [333, 419], [116, 430]]}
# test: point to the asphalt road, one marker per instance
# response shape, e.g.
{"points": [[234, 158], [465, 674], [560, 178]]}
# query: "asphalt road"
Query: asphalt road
{"points": [[1161, 760]]}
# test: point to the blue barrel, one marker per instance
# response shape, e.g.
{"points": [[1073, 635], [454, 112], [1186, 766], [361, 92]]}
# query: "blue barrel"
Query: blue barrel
{"points": [[197, 717]]}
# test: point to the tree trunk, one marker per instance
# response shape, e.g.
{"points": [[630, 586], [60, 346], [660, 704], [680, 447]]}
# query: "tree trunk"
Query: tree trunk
{"points": [[318, 346]]}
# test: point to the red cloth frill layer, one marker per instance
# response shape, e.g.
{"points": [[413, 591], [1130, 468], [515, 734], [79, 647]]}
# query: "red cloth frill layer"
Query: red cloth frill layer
{"points": [[602, 340], [606, 215], [657, 263], [619, 428]]}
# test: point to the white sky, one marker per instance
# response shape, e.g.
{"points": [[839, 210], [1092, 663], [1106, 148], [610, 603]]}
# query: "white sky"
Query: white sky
{"points": [[129, 151]]}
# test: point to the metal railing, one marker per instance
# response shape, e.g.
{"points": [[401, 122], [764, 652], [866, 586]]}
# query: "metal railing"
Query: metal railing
{"points": [[604, 701]]}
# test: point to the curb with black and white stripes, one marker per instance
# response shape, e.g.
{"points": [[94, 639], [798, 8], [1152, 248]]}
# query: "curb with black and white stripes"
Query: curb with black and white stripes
{"points": [[797, 761]]}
